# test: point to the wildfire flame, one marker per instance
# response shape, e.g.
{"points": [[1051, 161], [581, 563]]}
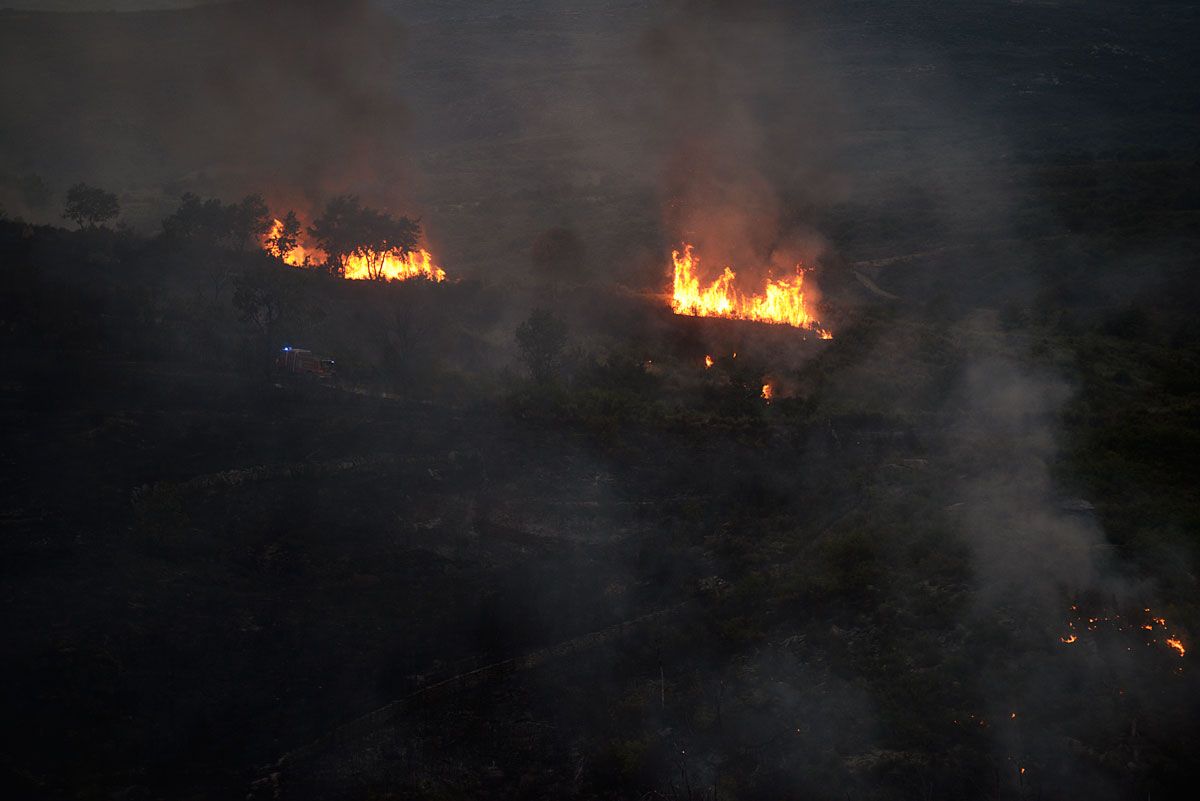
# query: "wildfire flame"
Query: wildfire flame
{"points": [[768, 392], [1177, 644], [781, 301], [394, 265], [708, 362], [299, 256]]}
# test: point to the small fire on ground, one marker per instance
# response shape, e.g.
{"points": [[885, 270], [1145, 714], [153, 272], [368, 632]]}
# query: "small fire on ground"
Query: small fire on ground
{"points": [[1153, 628], [365, 265], [781, 301]]}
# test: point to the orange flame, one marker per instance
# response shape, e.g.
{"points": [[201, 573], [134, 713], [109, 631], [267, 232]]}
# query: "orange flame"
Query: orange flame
{"points": [[394, 265], [768, 392], [1070, 638], [708, 362], [299, 256], [1177, 644], [781, 301]]}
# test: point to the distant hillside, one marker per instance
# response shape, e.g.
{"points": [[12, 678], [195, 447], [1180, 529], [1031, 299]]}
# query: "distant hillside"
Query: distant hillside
{"points": [[153, 103]]}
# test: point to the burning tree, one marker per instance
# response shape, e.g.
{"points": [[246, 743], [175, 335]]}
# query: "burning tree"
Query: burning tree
{"points": [[283, 237], [356, 236], [353, 241], [89, 206]]}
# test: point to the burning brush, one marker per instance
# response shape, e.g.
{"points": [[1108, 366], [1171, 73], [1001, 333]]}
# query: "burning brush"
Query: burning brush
{"points": [[781, 301], [364, 264]]}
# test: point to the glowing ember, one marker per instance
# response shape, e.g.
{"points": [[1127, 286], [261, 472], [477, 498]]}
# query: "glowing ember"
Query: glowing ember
{"points": [[1117, 623], [781, 301], [393, 265], [708, 362], [767, 392]]}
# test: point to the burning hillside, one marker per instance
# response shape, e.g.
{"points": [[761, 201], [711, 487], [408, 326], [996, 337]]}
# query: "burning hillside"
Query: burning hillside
{"points": [[362, 260], [781, 301]]}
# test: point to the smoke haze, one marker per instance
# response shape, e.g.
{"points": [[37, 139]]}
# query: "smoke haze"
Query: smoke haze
{"points": [[666, 556]]}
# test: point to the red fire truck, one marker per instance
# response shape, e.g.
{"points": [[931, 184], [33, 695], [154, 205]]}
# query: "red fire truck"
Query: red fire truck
{"points": [[298, 361]]}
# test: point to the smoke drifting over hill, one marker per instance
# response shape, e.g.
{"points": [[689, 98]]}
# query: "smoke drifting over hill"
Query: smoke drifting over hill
{"points": [[296, 99]]}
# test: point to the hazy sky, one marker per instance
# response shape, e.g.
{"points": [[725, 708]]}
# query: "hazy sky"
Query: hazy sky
{"points": [[99, 5]]}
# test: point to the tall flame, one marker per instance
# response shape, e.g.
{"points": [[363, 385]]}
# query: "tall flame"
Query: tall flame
{"points": [[395, 265], [781, 301], [299, 256]]}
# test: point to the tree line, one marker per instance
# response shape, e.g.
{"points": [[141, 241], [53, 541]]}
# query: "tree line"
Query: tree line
{"points": [[254, 241], [345, 228]]}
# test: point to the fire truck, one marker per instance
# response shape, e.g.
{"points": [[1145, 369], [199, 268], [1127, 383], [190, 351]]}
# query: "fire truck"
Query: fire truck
{"points": [[301, 362]]}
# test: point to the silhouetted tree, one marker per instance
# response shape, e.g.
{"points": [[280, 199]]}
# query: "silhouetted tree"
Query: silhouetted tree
{"points": [[335, 230], [386, 235], [348, 228], [90, 206], [211, 223], [261, 297], [197, 221], [408, 345], [542, 339], [249, 222], [284, 240]]}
